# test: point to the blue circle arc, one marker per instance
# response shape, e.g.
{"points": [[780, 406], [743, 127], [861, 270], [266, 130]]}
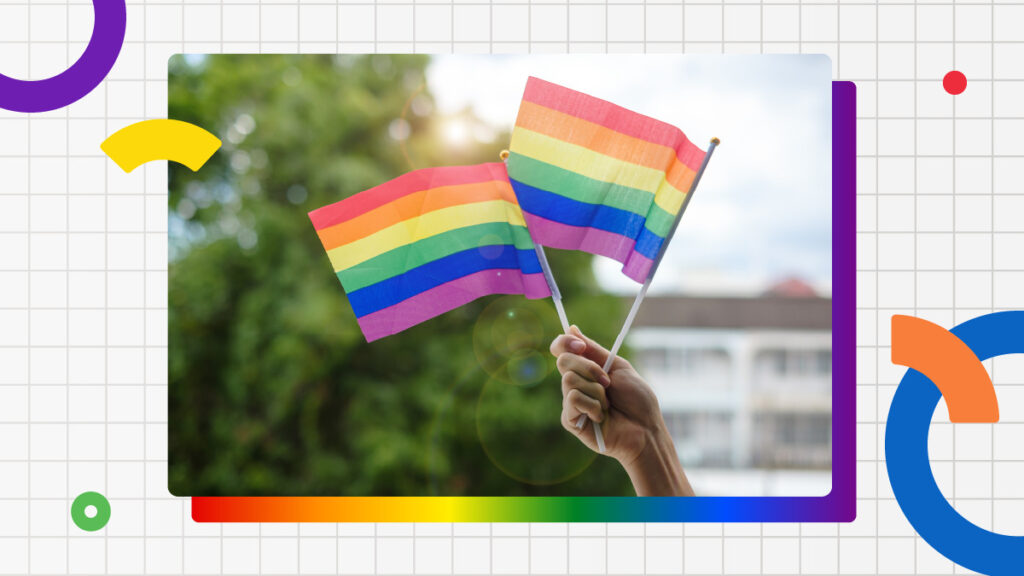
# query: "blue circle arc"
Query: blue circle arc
{"points": [[910, 472]]}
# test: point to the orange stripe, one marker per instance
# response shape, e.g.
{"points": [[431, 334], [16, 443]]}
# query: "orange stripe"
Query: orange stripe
{"points": [[605, 141], [407, 183], [413, 205], [622, 120]]}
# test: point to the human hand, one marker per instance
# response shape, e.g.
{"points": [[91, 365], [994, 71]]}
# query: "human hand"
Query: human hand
{"points": [[620, 401], [625, 407]]}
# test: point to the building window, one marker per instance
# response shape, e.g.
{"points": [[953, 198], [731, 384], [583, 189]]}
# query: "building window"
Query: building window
{"points": [[792, 440], [795, 363], [702, 438], [824, 362], [706, 367]]}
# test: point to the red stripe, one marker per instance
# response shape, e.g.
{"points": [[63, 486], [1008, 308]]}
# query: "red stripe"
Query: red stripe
{"points": [[404, 185], [613, 117]]}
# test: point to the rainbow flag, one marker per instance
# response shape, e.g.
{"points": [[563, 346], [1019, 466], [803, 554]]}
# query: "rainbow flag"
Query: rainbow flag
{"points": [[593, 176], [428, 242]]}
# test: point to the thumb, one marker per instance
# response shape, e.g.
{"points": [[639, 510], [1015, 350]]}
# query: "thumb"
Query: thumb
{"points": [[595, 351]]}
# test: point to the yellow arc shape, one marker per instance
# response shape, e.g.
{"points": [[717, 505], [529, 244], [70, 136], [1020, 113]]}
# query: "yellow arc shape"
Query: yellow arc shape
{"points": [[163, 139]]}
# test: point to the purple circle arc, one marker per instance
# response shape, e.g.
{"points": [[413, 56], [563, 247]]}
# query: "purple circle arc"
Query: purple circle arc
{"points": [[78, 80]]}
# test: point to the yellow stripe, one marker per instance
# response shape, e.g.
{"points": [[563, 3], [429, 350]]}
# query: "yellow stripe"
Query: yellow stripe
{"points": [[597, 166], [424, 226]]}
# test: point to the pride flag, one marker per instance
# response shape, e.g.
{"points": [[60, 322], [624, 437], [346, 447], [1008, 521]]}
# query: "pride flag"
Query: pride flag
{"points": [[428, 242], [593, 176]]}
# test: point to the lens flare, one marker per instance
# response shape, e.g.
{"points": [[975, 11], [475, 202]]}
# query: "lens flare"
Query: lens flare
{"points": [[557, 457], [511, 339]]}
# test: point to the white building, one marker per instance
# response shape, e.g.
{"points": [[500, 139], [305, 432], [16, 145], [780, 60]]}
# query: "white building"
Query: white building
{"points": [[745, 386]]}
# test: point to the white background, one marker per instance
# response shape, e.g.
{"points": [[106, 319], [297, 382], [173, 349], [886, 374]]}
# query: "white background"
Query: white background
{"points": [[83, 280]]}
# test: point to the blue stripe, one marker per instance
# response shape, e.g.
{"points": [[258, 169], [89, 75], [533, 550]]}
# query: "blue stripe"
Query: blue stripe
{"points": [[433, 274], [568, 211], [648, 243], [564, 210]]}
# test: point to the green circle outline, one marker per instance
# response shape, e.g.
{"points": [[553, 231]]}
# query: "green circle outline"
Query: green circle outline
{"points": [[84, 500]]}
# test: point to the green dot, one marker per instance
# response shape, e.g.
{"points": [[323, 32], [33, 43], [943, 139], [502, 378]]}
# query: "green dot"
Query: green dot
{"points": [[97, 505]]}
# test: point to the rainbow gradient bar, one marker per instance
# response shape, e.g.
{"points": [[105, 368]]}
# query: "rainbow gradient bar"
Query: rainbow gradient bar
{"points": [[837, 506]]}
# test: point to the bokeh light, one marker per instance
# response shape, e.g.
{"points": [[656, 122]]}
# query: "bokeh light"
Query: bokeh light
{"points": [[558, 456], [510, 339]]}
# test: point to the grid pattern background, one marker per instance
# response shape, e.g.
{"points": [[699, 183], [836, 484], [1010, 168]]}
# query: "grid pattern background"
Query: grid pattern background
{"points": [[83, 280]]}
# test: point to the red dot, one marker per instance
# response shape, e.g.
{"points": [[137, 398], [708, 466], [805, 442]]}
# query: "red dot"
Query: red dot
{"points": [[954, 82]]}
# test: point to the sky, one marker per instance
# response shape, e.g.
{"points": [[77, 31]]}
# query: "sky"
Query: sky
{"points": [[763, 209]]}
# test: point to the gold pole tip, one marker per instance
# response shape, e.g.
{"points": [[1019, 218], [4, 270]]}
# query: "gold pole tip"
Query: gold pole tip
{"points": [[503, 155], [716, 141]]}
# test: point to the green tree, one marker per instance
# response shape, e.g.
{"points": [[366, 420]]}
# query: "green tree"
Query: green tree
{"points": [[273, 389]]}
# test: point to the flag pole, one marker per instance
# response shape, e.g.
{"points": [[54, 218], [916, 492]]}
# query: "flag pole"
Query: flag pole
{"points": [[556, 297], [661, 254]]}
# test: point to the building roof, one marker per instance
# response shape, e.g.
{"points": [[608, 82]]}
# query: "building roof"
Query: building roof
{"points": [[769, 312], [792, 287]]}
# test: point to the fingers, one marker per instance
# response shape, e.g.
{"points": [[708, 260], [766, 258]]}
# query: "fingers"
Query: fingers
{"points": [[577, 343], [584, 367], [577, 403], [567, 343], [573, 381], [595, 351]]}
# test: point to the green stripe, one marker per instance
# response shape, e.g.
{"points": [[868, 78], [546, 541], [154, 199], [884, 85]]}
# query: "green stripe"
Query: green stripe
{"points": [[405, 258], [659, 222], [583, 189]]}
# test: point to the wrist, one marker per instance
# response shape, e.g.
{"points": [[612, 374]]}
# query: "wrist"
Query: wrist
{"points": [[656, 446], [655, 470]]}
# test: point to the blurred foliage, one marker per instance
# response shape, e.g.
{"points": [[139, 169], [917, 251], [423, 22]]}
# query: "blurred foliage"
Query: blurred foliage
{"points": [[273, 389]]}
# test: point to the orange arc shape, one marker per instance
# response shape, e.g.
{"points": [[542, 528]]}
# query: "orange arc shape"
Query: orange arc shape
{"points": [[949, 364]]}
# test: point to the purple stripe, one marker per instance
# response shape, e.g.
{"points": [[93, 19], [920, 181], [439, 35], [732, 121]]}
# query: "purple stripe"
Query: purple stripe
{"points": [[637, 266], [568, 237], [843, 498], [596, 241], [449, 296]]}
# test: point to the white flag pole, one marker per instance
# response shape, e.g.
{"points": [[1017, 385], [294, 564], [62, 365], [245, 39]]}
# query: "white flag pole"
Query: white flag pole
{"points": [[661, 254], [556, 297]]}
